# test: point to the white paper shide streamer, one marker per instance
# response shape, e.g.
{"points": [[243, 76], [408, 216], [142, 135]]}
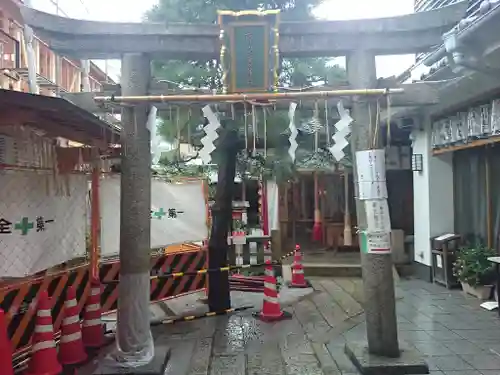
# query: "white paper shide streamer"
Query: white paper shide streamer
{"points": [[155, 139], [211, 135], [293, 131], [342, 132]]}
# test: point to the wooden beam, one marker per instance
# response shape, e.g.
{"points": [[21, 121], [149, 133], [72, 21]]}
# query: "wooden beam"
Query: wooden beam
{"points": [[52, 127], [251, 97], [462, 92], [465, 146], [415, 94]]}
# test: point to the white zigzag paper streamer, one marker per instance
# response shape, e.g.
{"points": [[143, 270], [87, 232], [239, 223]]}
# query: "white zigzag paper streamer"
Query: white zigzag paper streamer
{"points": [[342, 132], [211, 135], [293, 131]]}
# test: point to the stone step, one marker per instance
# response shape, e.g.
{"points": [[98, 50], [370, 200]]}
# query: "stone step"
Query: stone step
{"points": [[332, 270]]}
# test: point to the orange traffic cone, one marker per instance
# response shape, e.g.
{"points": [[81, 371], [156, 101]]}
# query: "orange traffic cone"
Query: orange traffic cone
{"points": [[5, 348], [71, 350], [43, 350], [271, 309], [298, 279], [92, 328]]}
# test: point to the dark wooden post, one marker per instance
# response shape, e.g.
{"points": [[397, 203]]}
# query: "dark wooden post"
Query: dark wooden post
{"points": [[218, 287]]}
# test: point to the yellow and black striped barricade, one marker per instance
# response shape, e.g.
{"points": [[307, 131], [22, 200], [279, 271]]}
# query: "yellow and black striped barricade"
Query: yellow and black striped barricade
{"points": [[204, 271], [182, 263], [205, 315], [18, 299]]}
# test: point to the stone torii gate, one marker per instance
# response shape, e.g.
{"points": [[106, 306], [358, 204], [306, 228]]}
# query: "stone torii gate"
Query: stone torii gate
{"points": [[136, 44]]}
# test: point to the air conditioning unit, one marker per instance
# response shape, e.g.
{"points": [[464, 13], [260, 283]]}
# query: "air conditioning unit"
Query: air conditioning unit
{"points": [[8, 150]]}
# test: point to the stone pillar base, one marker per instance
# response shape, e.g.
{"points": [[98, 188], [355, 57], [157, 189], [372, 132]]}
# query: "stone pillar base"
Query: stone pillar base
{"points": [[409, 362], [105, 366]]}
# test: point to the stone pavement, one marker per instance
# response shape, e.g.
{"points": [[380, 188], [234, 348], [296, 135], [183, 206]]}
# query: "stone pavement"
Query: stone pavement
{"points": [[454, 334]]}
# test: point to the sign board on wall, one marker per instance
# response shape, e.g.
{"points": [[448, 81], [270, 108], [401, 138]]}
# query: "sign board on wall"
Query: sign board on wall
{"points": [[40, 229], [370, 165], [178, 214], [375, 243], [370, 168], [377, 215]]}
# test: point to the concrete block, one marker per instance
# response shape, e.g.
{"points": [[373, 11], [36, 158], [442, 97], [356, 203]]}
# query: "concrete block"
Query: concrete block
{"points": [[409, 362], [104, 365]]}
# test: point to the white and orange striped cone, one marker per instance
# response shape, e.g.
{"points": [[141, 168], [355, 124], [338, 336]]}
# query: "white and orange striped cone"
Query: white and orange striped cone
{"points": [[298, 278], [92, 328], [43, 359], [71, 349], [271, 309]]}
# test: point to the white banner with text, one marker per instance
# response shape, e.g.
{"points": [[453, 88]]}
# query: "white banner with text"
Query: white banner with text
{"points": [[178, 214], [42, 221]]}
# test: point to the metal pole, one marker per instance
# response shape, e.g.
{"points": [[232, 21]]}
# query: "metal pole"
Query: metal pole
{"points": [[30, 54], [247, 97], [95, 217], [134, 340], [378, 282], [58, 63], [85, 75]]}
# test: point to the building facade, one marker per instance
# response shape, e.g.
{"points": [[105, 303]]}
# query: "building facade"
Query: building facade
{"points": [[457, 190], [424, 5], [14, 62]]}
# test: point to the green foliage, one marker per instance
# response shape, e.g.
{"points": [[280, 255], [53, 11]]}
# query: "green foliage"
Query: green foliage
{"points": [[472, 265], [280, 167], [296, 73], [322, 161], [170, 168], [206, 74], [306, 72], [274, 125], [275, 165], [191, 74], [270, 167], [205, 11], [239, 225], [180, 121], [183, 123]]}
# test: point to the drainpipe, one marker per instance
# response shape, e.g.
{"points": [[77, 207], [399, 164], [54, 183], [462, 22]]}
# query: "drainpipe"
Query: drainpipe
{"points": [[461, 34], [85, 64], [58, 62], [28, 40]]}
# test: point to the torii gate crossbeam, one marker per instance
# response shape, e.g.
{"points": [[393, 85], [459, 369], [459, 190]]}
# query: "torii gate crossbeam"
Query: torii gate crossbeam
{"points": [[412, 33]]}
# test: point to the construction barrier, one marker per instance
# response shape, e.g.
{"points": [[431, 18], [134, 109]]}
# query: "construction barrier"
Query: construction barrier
{"points": [[246, 283], [18, 297], [202, 271], [206, 315], [185, 263]]}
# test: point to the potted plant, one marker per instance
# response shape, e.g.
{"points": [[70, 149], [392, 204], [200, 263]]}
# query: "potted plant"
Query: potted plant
{"points": [[475, 272]]}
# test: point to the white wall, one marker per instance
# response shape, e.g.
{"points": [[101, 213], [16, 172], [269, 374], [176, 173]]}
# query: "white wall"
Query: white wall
{"points": [[421, 206], [433, 195]]}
